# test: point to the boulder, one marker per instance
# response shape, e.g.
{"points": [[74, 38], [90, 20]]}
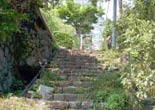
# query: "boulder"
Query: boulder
{"points": [[45, 92]]}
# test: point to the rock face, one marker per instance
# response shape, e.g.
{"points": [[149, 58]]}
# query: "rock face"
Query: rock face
{"points": [[40, 50], [6, 69], [42, 40]]}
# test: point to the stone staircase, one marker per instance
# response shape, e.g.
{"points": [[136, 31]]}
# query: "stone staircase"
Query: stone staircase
{"points": [[72, 71]]}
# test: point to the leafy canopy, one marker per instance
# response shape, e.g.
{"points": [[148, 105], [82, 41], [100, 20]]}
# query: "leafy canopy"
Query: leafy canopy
{"points": [[80, 17], [8, 20], [64, 34]]}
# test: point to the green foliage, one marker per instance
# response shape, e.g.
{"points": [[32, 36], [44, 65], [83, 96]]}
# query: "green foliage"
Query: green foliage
{"points": [[116, 101], [137, 38], [9, 19], [64, 34], [140, 41], [106, 33], [46, 76], [146, 7], [94, 2], [66, 40], [79, 17], [107, 83], [17, 36], [101, 96], [111, 58], [109, 90], [107, 28]]}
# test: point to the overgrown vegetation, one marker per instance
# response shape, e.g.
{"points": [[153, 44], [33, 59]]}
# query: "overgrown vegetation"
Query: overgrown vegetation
{"points": [[108, 89], [69, 21], [9, 20], [17, 34], [64, 35], [137, 38], [14, 103]]}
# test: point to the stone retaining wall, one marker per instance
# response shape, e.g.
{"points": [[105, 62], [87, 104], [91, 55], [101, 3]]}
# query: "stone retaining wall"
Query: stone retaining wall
{"points": [[41, 37]]}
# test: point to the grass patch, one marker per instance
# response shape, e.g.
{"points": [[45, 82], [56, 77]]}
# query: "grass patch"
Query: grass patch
{"points": [[109, 90], [49, 75], [15, 103], [116, 101], [105, 85]]}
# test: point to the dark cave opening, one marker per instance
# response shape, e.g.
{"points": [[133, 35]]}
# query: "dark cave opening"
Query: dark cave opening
{"points": [[27, 73]]}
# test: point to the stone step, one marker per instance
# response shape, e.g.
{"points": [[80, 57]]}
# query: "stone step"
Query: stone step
{"points": [[77, 65], [80, 71], [67, 97], [79, 55], [73, 56], [84, 74], [74, 64], [70, 105], [84, 84], [65, 72], [70, 60], [72, 53], [77, 51], [75, 61], [76, 70], [77, 77], [70, 89]]}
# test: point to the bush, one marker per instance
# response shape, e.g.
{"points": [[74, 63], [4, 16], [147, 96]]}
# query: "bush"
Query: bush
{"points": [[66, 40], [108, 93], [107, 84], [139, 42], [111, 58], [136, 36], [116, 101], [101, 96]]}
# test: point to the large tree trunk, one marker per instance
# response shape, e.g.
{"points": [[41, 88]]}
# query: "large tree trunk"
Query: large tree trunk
{"points": [[78, 31]]}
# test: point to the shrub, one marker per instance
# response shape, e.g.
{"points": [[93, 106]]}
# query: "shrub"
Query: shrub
{"points": [[101, 96], [139, 42], [116, 101], [107, 84]]}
